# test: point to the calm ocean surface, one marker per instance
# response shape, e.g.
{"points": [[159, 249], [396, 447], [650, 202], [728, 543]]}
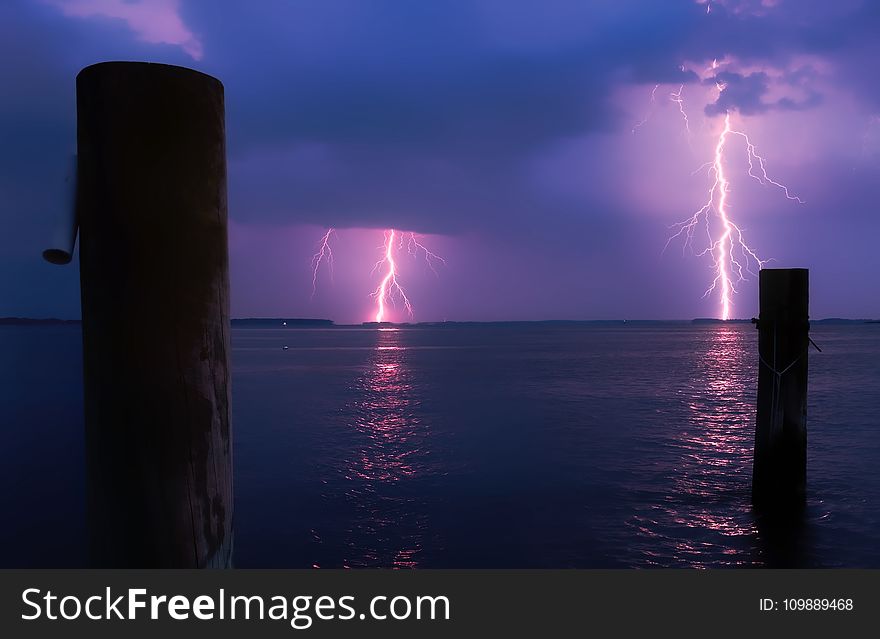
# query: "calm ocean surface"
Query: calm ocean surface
{"points": [[525, 445]]}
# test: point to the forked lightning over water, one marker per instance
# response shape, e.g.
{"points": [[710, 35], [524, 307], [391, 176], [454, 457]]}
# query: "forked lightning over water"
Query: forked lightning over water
{"points": [[389, 288], [731, 255], [389, 292]]}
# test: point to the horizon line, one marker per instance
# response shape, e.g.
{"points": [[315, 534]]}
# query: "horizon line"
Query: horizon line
{"points": [[22, 319]]}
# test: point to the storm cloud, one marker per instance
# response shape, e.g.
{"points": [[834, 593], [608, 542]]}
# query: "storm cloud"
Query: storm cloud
{"points": [[504, 123]]}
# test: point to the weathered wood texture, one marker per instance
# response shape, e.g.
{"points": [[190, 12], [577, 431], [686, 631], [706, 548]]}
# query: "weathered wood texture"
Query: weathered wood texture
{"points": [[155, 308], [780, 465]]}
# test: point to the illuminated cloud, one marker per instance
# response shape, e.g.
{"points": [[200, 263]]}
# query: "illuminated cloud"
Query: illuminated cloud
{"points": [[747, 93], [153, 21]]}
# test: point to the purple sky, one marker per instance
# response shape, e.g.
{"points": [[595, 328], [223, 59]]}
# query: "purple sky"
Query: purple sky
{"points": [[501, 130]]}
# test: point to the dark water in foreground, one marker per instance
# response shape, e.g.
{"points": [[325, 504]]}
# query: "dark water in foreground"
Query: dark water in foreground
{"points": [[474, 446]]}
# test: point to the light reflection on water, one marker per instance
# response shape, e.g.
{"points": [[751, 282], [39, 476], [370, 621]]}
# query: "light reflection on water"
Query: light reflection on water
{"points": [[389, 523], [485, 446], [541, 446], [706, 511]]}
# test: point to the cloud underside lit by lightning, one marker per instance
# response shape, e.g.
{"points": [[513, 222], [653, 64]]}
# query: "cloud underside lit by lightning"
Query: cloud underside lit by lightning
{"points": [[732, 258]]}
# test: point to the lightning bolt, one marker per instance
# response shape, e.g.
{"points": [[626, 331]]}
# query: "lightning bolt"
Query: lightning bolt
{"points": [[679, 100], [389, 288], [324, 254], [645, 119], [731, 256], [431, 259], [389, 291]]}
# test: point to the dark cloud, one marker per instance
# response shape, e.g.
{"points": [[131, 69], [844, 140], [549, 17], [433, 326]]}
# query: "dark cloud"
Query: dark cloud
{"points": [[747, 93], [423, 115]]}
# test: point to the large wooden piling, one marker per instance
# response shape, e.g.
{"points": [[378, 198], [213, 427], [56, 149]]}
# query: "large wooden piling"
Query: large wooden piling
{"points": [[780, 464], [155, 308]]}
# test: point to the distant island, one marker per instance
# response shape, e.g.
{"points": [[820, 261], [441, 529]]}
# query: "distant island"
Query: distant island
{"points": [[276, 322]]}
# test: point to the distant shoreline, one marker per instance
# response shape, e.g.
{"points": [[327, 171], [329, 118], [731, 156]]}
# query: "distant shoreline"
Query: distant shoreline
{"points": [[281, 322]]}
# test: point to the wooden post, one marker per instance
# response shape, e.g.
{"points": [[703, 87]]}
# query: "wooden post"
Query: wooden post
{"points": [[155, 309], [780, 466]]}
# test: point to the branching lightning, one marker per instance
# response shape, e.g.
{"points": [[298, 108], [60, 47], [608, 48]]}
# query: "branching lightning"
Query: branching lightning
{"points": [[431, 259], [676, 97], [389, 291], [324, 254], [638, 125], [389, 288], [731, 256]]}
